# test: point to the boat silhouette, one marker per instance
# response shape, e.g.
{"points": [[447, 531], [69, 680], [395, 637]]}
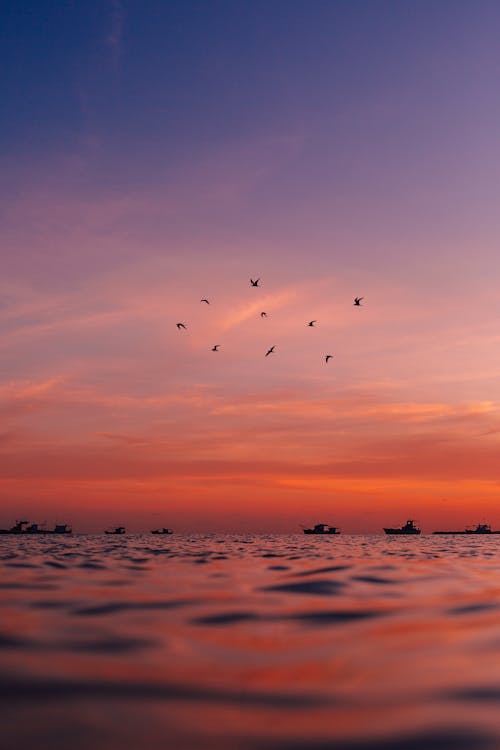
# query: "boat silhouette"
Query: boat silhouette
{"points": [[164, 530], [25, 527], [322, 528], [408, 529], [481, 528], [118, 530]]}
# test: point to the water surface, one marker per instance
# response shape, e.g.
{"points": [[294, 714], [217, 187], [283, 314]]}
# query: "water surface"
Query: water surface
{"points": [[250, 642]]}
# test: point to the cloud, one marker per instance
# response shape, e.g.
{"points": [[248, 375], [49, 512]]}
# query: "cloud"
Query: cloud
{"points": [[114, 39]]}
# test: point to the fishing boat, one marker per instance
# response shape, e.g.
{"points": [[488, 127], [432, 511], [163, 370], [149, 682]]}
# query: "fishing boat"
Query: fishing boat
{"points": [[118, 530], [18, 528], [162, 531], [481, 528], [408, 529], [61, 528], [25, 527], [322, 528]]}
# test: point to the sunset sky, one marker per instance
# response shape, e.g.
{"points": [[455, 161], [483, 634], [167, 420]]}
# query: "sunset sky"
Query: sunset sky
{"points": [[154, 153]]}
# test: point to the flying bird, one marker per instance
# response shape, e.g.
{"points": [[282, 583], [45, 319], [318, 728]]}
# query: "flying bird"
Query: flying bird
{"points": [[205, 300], [357, 301], [254, 283], [328, 356], [215, 348], [311, 323], [270, 351], [263, 315], [181, 325]]}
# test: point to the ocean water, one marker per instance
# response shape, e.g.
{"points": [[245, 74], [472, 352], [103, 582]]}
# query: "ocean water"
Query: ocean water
{"points": [[249, 642]]}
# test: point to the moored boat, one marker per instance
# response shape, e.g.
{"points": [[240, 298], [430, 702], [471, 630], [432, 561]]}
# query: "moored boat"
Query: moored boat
{"points": [[408, 529], [25, 527], [164, 530], [322, 528], [62, 528], [118, 530], [481, 528], [18, 528]]}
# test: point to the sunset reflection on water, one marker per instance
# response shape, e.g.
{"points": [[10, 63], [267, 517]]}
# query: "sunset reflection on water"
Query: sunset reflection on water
{"points": [[268, 642]]}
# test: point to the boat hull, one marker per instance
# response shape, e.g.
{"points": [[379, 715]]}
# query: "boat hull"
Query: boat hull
{"points": [[400, 532], [321, 533], [42, 532]]}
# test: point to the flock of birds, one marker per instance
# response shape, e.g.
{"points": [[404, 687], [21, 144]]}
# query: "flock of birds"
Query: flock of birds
{"points": [[256, 283]]}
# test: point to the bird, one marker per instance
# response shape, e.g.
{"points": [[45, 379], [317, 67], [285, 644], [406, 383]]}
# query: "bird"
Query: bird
{"points": [[205, 300], [215, 348], [181, 325], [263, 315], [311, 323], [357, 301], [328, 356], [254, 283], [270, 351]]}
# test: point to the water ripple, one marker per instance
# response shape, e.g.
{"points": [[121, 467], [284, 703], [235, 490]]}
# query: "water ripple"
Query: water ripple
{"points": [[249, 642]]}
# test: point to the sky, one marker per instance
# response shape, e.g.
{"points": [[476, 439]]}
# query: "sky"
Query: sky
{"points": [[155, 153]]}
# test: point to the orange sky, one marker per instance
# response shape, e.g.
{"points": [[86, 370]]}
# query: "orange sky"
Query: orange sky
{"points": [[112, 415]]}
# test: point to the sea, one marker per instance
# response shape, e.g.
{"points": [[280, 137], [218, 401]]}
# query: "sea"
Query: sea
{"points": [[249, 642]]}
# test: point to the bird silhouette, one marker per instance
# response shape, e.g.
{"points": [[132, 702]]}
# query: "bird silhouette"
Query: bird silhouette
{"points": [[270, 351], [311, 323], [215, 348], [205, 300], [181, 325], [328, 356], [254, 283], [263, 315], [357, 301]]}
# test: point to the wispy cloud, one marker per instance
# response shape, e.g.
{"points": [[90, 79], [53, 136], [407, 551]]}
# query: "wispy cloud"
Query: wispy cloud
{"points": [[114, 39]]}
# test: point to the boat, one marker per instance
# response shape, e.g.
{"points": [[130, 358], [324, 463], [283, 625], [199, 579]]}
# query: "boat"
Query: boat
{"points": [[25, 527], [162, 531], [408, 529], [322, 528], [118, 530], [62, 528], [18, 528], [481, 528]]}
